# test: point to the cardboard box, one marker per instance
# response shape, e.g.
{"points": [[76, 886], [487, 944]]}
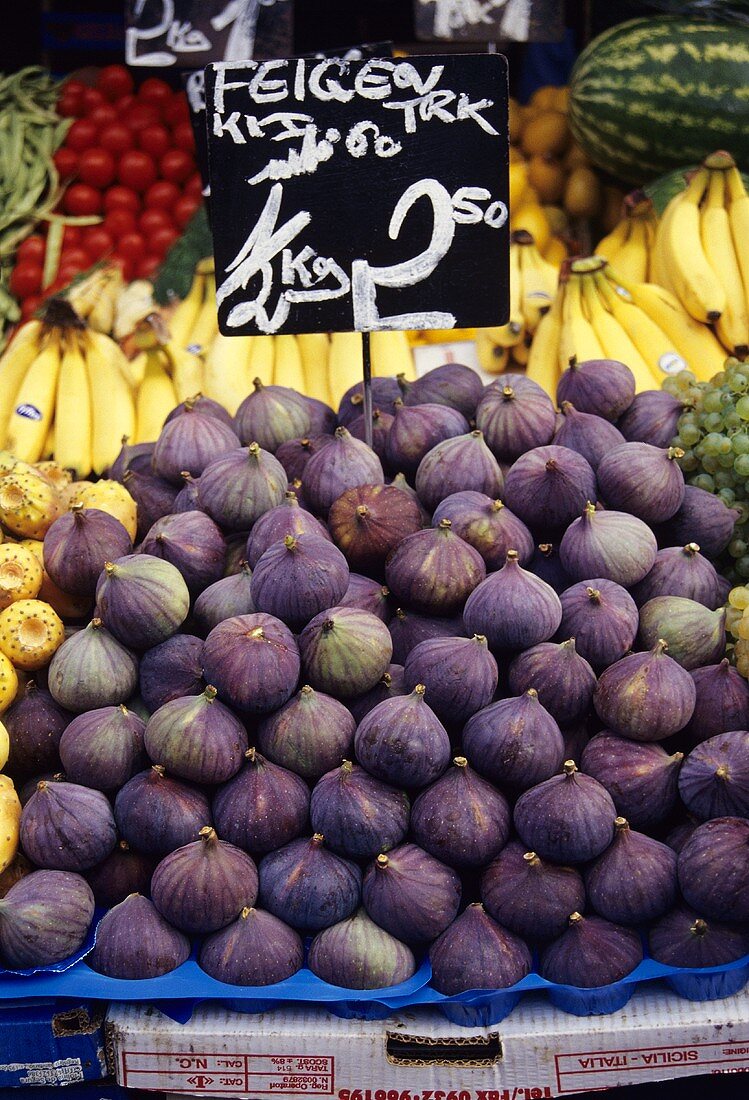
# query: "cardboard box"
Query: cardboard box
{"points": [[51, 1043], [536, 1053]]}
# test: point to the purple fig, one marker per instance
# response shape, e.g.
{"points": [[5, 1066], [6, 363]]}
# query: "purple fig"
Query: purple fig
{"points": [[646, 696], [546, 564], [566, 819], [515, 742], [78, 543], [44, 918], [575, 739], [591, 952], [367, 522], [643, 480], [408, 629], [224, 599], [256, 949], [461, 819], [477, 953], [188, 498], [203, 885], [562, 679], [191, 442], [142, 600], [103, 748], [67, 827], [239, 487], [385, 392], [486, 525], [253, 661], [702, 518], [454, 385], [133, 941], [307, 886], [35, 722], [191, 542], [634, 881], [358, 954], [262, 807], [123, 872], [434, 571], [172, 670], [682, 938], [681, 571], [358, 815], [548, 486], [460, 675], [271, 415], [401, 741], [515, 414], [153, 496], [391, 684], [381, 424], [410, 894], [512, 608], [681, 833], [399, 482], [591, 436], [294, 454], [367, 595], [206, 406], [416, 429], [695, 635], [309, 734], [287, 518], [345, 651], [323, 419], [132, 456], [613, 545], [156, 814], [92, 669], [714, 778], [529, 896], [641, 777], [653, 418], [722, 701], [461, 463], [714, 869], [197, 738], [602, 617], [345, 463], [298, 578], [602, 387]]}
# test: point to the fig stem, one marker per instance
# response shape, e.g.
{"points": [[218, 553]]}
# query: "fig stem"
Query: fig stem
{"points": [[621, 824], [532, 859], [208, 835], [382, 861], [511, 557], [251, 754], [420, 689], [575, 919], [96, 624], [290, 542], [532, 693], [246, 912], [253, 450], [341, 433], [257, 383], [691, 549], [306, 690], [317, 839], [210, 693], [570, 767], [589, 510], [460, 762], [445, 525], [159, 769], [362, 511], [291, 496], [109, 568], [661, 646], [347, 767], [699, 928], [722, 772], [593, 595], [387, 679], [497, 505]]}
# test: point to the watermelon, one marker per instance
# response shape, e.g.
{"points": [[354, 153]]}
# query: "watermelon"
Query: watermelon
{"points": [[655, 93], [665, 188]]}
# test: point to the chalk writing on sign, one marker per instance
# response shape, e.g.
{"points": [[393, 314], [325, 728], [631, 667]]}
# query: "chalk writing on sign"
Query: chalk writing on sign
{"points": [[489, 20], [359, 194]]}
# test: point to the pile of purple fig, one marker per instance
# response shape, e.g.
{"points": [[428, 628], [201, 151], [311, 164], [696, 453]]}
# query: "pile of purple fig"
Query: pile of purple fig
{"points": [[462, 693]]}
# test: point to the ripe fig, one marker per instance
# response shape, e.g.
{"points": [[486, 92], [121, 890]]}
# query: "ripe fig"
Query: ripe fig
{"points": [[367, 595], [407, 629], [646, 696], [92, 669], [298, 578], [133, 941], [401, 741], [239, 487], [44, 918], [722, 701], [255, 949], [602, 387], [172, 670], [103, 748], [197, 738], [391, 684], [592, 952], [634, 881], [562, 679], [193, 543], [461, 463], [142, 600], [66, 827], [461, 819], [695, 635], [643, 480], [515, 742], [358, 815], [343, 464], [652, 418], [566, 819], [529, 896], [460, 675], [602, 618], [77, 545], [591, 436], [156, 814], [486, 525], [681, 571], [358, 954], [640, 776], [702, 518], [367, 522], [123, 872], [548, 486], [613, 545], [253, 661], [714, 869], [287, 518], [682, 938], [190, 442], [416, 429], [271, 415], [453, 384], [512, 608], [224, 599], [309, 734], [35, 722], [345, 651], [262, 807], [515, 414], [714, 778], [307, 886], [434, 571], [410, 894], [477, 953]]}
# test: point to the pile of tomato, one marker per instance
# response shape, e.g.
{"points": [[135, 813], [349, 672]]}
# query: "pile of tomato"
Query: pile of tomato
{"points": [[129, 160]]}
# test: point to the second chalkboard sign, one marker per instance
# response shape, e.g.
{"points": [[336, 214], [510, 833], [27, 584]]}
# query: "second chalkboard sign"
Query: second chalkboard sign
{"points": [[359, 195]]}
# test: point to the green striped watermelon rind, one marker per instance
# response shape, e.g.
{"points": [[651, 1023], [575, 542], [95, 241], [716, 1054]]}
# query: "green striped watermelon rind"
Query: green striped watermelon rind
{"points": [[649, 94], [662, 190]]}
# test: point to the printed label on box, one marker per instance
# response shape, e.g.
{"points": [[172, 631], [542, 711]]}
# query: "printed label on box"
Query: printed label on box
{"points": [[575, 1072], [229, 1074]]}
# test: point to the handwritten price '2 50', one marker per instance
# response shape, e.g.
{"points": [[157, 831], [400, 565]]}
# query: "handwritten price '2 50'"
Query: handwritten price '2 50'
{"points": [[309, 277]]}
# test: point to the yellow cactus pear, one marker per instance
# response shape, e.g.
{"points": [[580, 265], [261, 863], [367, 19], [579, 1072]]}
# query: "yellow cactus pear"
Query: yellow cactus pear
{"points": [[20, 574], [4, 746], [29, 505], [55, 474], [30, 633], [110, 497], [10, 821], [8, 683]]}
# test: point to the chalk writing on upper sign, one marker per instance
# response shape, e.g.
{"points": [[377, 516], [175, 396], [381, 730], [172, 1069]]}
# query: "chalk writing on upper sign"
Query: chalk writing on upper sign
{"points": [[359, 195], [489, 20]]}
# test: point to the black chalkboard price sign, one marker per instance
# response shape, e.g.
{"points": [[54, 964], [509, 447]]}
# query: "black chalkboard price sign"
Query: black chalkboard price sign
{"points": [[359, 195], [489, 20]]}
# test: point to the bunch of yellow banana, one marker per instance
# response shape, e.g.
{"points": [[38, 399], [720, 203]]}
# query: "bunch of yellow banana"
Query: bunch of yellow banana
{"points": [[161, 375], [599, 313], [94, 296], [629, 245], [702, 250], [533, 284], [64, 393]]}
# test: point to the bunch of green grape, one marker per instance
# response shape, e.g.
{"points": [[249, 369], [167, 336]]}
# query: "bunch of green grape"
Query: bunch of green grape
{"points": [[713, 432], [737, 627]]}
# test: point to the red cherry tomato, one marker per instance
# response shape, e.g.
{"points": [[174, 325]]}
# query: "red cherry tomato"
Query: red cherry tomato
{"points": [[121, 198], [103, 116], [81, 198], [66, 162], [33, 248], [30, 305], [92, 98], [136, 169], [147, 266], [71, 236], [116, 139], [81, 135], [97, 167], [184, 138], [139, 115], [119, 221], [131, 246], [97, 241], [26, 278], [75, 255], [114, 81], [70, 106], [154, 140], [184, 210], [177, 110], [153, 218], [176, 165], [162, 195], [156, 91], [123, 104], [162, 240], [67, 271], [194, 186]]}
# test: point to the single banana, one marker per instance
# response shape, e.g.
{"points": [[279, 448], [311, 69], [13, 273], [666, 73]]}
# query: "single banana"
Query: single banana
{"points": [[183, 320], [344, 363], [205, 328], [391, 354], [738, 217], [112, 403], [73, 421], [14, 363], [226, 374], [156, 397], [615, 340], [654, 345], [538, 280], [186, 370], [543, 362], [694, 279], [493, 357], [609, 246], [578, 335], [660, 271], [287, 365], [512, 333], [314, 348], [632, 259], [33, 408], [732, 326]]}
